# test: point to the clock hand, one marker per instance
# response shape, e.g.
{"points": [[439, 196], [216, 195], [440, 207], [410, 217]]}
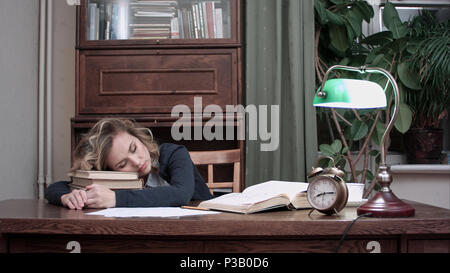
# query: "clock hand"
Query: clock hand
{"points": [[323, 193]]}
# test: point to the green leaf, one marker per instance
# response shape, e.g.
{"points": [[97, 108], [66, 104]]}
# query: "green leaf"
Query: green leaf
{"points": [[338, 2], [399, 29], [344, 150], [399, 45], [336, 146], [408, 78], [334, 18], [355, 19], [404, 118], [412, 46], [378, 59], [357, 60], [338, 37], [392, 21], [351, 35], [321, 11], [366, 10], [369, 175], [326, 149], [378, 39], [344, 61], [359, 130], [378, 133]]}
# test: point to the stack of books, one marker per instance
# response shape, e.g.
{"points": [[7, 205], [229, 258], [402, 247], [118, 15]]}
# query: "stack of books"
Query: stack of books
{"points": [[153, 20], [112, 180]]}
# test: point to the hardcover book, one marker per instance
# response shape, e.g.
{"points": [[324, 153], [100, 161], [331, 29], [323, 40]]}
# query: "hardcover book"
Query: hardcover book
{"points": [[105, 175], [81, 183], [111, 179]]}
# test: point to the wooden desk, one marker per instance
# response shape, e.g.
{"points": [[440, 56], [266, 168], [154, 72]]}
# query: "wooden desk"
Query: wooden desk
{"points": [[35, 226]]}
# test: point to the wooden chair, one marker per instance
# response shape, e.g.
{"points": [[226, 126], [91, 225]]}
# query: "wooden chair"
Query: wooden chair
{"points": [[211, 158]]}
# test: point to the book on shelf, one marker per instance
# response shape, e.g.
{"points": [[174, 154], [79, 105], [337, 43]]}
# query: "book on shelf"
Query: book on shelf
{"points": [[218, 23], [154, 20], [174, 28], [264, 196], [92, 34], [104, 21]]}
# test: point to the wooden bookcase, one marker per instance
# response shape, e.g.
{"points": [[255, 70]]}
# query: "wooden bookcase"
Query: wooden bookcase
{"points": [[138, 59]]}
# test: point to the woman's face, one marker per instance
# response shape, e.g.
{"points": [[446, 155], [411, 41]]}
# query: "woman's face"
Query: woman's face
{"points": [[128, 154]]}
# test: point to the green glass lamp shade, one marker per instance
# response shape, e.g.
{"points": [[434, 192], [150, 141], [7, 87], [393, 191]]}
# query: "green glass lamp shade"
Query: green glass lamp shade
{"points": [[350, 93]]}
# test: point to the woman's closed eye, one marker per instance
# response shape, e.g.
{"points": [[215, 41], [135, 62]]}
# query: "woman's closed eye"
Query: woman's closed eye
{"points": [[124, 162], [122, 165]]}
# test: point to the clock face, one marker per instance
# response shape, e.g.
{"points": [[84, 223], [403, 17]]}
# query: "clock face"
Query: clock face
{"points": [[322, 193]]}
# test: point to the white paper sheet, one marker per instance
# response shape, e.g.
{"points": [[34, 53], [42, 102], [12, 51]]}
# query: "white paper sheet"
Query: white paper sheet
{"points": [[150, 212]]}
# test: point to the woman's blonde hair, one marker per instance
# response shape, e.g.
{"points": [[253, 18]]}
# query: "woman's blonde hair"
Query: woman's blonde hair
{"points": [[93, 148]]}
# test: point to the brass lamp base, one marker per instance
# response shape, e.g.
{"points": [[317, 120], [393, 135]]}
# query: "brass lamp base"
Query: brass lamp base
{"points": [[385, 204]]}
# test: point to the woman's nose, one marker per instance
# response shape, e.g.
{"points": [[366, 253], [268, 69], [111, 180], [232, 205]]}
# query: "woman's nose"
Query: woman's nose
{"points": [[135, 161]]}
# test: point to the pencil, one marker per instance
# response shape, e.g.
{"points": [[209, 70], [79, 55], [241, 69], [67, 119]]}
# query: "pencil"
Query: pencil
{"points": [[190, 207]]}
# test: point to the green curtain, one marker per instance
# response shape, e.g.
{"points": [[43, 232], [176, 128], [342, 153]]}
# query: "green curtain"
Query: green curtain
{"points": [[279, 53]]}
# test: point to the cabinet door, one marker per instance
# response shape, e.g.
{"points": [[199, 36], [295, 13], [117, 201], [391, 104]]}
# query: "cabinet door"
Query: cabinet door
{"points": [[152, 82], [155, 22]]}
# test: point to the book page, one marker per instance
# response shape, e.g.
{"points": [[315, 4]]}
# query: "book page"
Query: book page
{"points": [[273, 187], [246, 203], [246, 199], [150, 212]]}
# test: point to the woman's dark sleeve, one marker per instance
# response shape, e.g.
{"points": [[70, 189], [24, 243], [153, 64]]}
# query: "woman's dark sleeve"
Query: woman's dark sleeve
{"points": [[54, 192], [180, 191]]}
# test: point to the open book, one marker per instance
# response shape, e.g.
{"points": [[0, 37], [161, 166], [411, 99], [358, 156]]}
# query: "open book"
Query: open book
{"points": [[263, 196]]}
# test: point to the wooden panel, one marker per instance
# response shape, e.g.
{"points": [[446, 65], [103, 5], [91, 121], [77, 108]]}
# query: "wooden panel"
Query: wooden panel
{"points": [[300, 246], [153, 81], [3, 244], [429, 246], [55, 244], [131, 244], [157, 82]]}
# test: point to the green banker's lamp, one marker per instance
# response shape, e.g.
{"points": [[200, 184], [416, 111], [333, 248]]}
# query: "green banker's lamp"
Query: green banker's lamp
{"points": [[363, 94]]}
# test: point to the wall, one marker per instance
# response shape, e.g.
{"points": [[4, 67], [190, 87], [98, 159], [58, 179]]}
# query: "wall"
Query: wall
{"points": [[19, 49], [428, 184], [19, 28], [64, 28]]}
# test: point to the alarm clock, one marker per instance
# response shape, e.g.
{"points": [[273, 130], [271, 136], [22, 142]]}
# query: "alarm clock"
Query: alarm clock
{"points": [[327, 192]]}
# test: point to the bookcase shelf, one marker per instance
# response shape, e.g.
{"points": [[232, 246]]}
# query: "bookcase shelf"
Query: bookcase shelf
{"points": [[138, 59], [154, 22]]}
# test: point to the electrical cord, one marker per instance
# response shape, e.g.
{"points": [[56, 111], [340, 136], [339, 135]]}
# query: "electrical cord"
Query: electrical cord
{"points": [[348, 228]]}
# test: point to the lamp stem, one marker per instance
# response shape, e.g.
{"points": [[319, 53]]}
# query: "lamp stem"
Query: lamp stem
{"points": [[385, 203], [393, 116]]}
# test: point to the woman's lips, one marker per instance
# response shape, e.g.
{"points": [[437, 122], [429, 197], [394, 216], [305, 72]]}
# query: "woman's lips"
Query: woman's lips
{"points": [[142, 168]]}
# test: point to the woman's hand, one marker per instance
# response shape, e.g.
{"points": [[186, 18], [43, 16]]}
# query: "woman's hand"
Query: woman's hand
{"points": [[75, 200], [99, 196]]}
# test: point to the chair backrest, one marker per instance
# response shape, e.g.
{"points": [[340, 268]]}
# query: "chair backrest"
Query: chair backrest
{"points": [[212, 158]]}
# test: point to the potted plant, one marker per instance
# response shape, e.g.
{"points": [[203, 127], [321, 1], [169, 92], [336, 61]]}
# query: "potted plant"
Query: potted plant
{"points": [[427, 74], [401, 51]]}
